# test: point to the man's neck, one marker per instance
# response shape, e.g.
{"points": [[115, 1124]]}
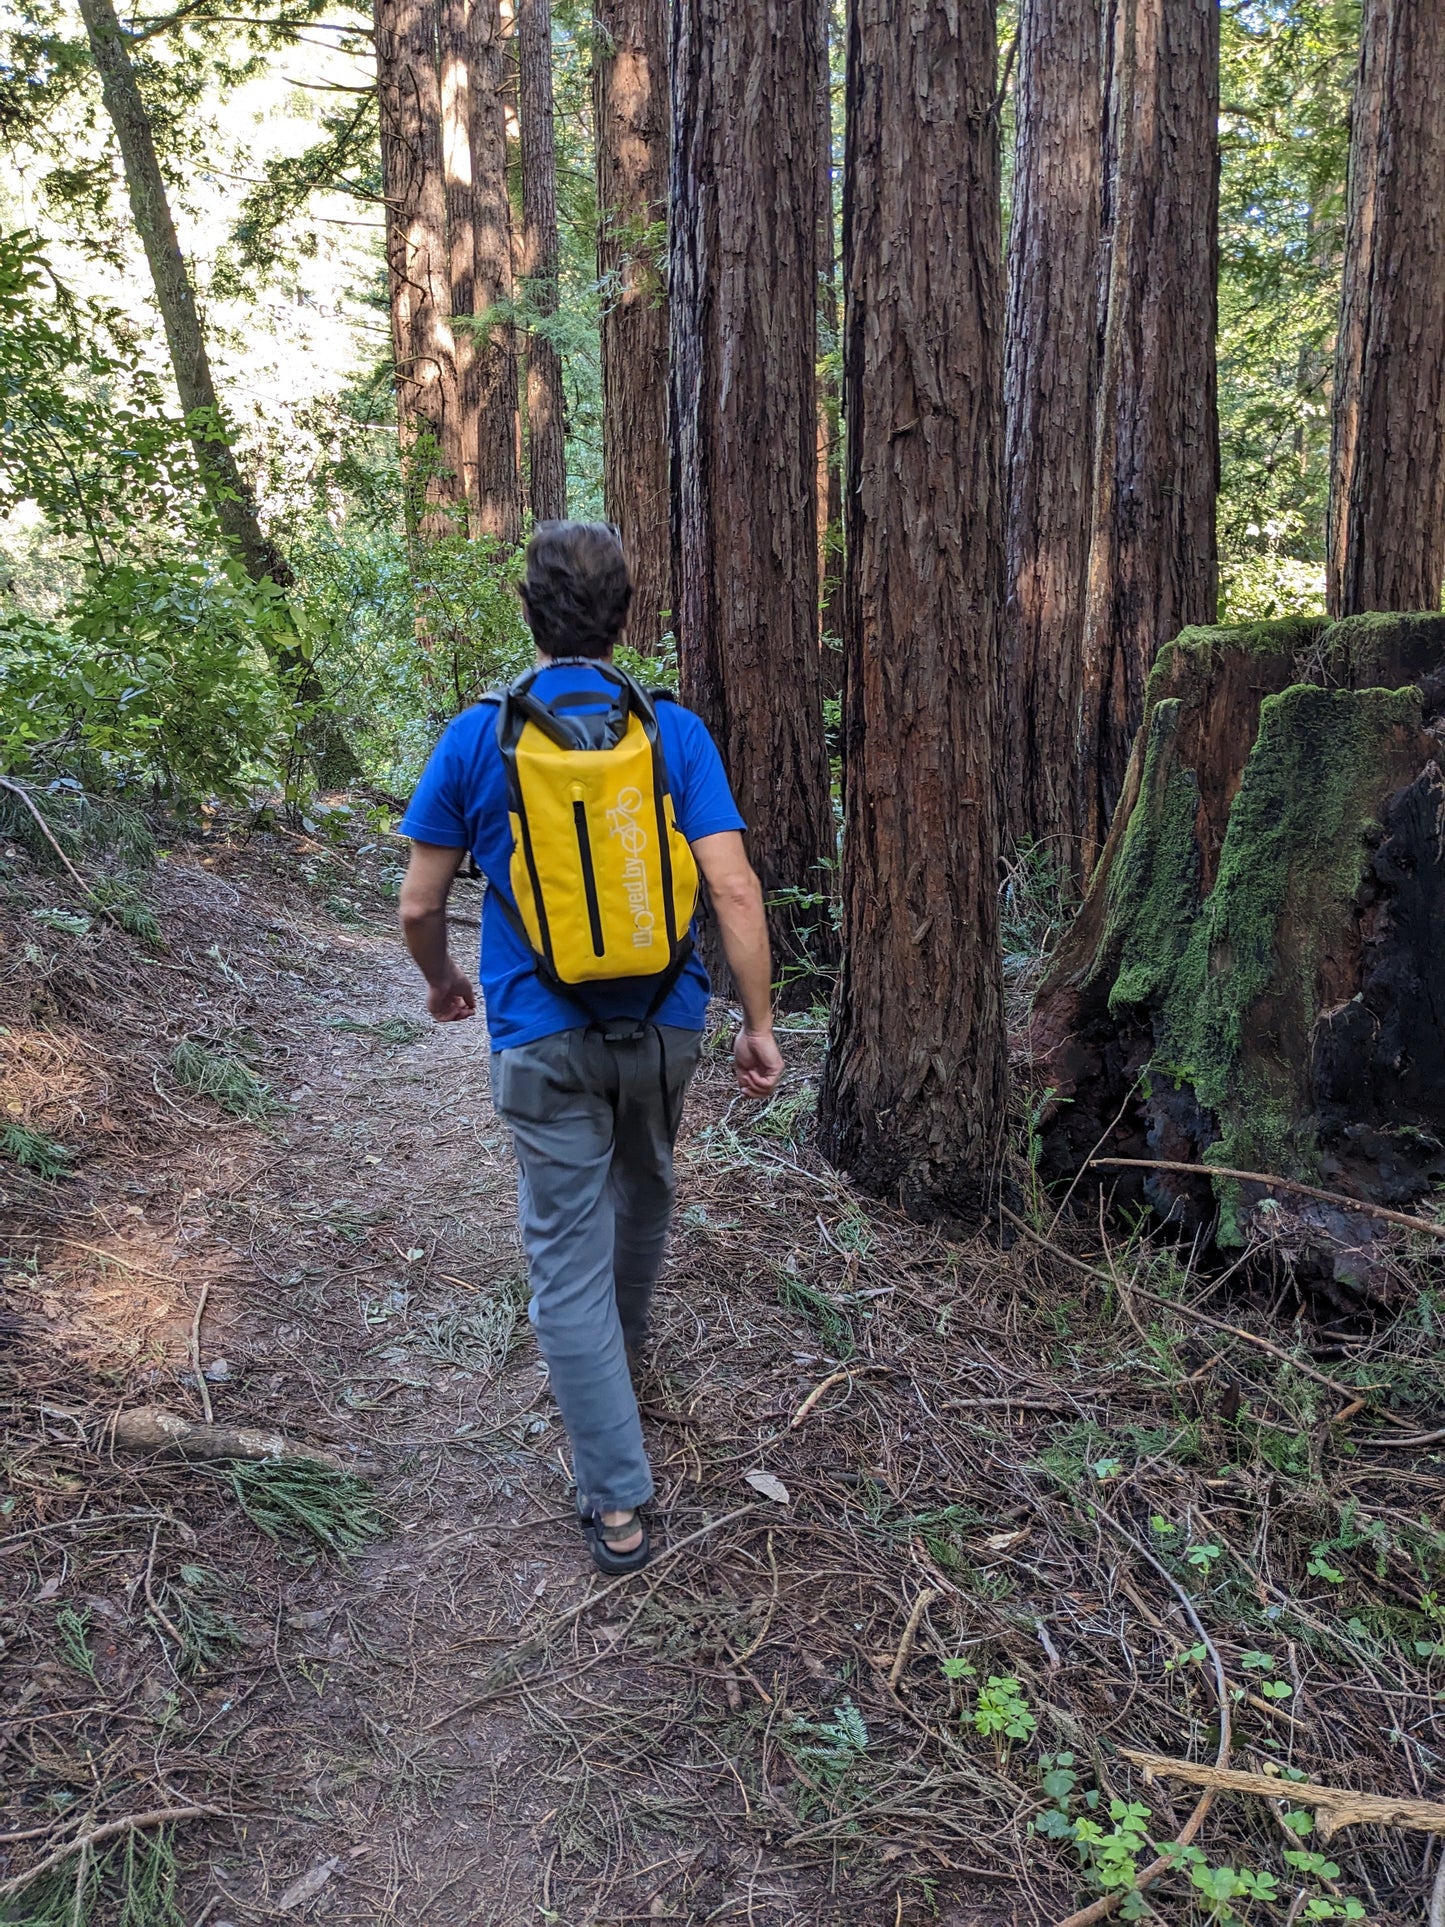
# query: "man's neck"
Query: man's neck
{"points": [[544, 661]]}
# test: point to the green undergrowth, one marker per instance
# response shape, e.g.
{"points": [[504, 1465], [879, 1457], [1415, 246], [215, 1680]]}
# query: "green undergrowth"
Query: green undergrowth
{"points": [[224, 1078], [304, 1507], [37, 1152], [480, 1335], [132, 1883], [83, 824]]}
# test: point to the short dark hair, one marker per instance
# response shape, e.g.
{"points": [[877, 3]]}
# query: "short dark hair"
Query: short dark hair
{"points": [[577, 589]]}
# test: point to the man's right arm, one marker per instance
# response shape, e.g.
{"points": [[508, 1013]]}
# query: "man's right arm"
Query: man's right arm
{"points": [[737, 902]]}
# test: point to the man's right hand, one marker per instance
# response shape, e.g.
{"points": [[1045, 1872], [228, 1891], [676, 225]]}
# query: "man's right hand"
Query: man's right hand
{"points": [[757, 1062], [452, 998]]}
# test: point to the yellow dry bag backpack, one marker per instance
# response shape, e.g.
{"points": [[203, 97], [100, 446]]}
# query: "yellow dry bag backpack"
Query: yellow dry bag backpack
{"points": [[603, 880]]}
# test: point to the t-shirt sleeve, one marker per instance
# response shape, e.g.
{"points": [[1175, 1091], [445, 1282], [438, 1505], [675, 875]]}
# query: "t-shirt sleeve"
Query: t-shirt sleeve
{"points": [[703, 799], [434, 814]]}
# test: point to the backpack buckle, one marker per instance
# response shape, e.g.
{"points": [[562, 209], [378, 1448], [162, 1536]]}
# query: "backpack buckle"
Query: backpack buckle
{"points": [[620, 1030]]}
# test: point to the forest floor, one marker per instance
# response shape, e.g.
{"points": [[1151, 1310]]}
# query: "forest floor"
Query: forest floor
{"points": [[945, 1527]]}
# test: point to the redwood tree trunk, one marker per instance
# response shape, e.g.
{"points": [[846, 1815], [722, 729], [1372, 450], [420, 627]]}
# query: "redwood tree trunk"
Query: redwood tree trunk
{"points": [[1387, 495], [226, 488], [631, 101], [1050, 390], [743, 294], [454, 51], [1152, 562], [499, 493], [546, 407], [830, 440], [914, 1087], [428, 401]]}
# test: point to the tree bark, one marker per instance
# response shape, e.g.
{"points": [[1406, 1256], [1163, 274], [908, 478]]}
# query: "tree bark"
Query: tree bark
{"points": [[914, 1086], [226, 488], [743, 307], [499, 491], [1386, 546], [830, 437], [546, 404], [1050, 390], [1252, 980], [454, 58], [630, 94], [428, 399], [1152, 561]]}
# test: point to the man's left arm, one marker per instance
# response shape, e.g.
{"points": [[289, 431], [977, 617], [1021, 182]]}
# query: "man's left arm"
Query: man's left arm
{"points": [[424, 892]]}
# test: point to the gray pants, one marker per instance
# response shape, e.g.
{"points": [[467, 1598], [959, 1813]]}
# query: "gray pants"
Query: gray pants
{"points": [[593, 1123]]}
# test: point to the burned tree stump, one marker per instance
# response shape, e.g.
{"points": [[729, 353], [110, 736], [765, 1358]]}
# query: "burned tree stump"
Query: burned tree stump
{"points": [[1256, 977]]}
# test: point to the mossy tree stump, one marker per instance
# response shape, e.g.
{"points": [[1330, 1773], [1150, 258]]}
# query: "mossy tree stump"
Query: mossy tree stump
{"points": [[1257, 975]]}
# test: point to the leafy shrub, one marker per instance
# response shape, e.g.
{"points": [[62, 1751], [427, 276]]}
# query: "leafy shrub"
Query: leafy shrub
{"points": [[154, 675]]}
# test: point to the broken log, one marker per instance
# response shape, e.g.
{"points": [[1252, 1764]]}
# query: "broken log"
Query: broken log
{"points": [[151, 1428], [1256, 978]]}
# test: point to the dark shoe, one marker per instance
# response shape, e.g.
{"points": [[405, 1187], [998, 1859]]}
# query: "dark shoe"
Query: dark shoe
{"points": [[602, 1538]]}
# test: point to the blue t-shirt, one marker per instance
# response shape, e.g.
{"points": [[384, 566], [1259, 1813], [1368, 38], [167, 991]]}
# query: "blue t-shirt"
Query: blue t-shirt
{"points": [[461, 804]]}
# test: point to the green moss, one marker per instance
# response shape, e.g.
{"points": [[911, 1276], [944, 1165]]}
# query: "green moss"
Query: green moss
{"points": [[1381, 649], [1153, 888], [1193, 651], [1293, 858]]}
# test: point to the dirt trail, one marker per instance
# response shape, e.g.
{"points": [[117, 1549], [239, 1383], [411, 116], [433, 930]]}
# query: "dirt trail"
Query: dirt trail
{"points": [[438, 1730], [364, 1289]]}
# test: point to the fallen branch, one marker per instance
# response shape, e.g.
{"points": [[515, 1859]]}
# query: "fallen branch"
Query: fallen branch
{"points": [[1402, 1218], [134, 1823], [1335, 1806], [1350, 1393], [205, 1389], [1417, 1438], [151, 1428], [910, 1632]]}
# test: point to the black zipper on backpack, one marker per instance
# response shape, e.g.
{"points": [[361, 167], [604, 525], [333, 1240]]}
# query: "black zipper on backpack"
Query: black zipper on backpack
{"points": [[589, 876]]}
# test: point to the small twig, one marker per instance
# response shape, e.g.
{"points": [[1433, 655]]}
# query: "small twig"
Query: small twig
{"points": [[833, 1378], [910, 1632], [205, 1389], [99, 1251], [152, 1601], [134, 1823], [1274, 1184], [84, 1524]]}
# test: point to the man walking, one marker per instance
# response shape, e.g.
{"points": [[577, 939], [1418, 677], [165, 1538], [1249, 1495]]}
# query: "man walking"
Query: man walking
{"points": [[594, 1001]]}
